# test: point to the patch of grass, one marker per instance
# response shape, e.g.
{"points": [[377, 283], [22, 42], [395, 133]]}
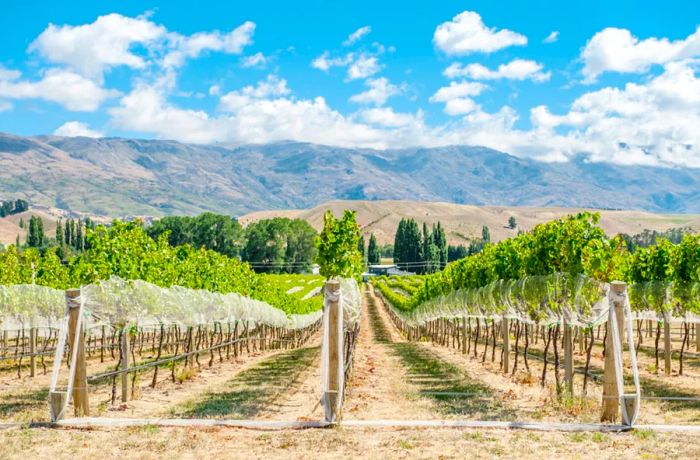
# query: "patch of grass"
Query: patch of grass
{"points": [[449, 387], [600, 437], [252, 390], [24, 405], [578, 437], [404, 444], [644, 434]]}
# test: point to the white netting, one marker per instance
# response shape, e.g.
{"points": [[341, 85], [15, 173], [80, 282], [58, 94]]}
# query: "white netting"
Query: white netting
{"points": [[578, 300], [26, 305], [117, 302]]}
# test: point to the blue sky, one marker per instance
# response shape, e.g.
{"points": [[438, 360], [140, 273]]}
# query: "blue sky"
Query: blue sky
{"points": [[615, 81]]}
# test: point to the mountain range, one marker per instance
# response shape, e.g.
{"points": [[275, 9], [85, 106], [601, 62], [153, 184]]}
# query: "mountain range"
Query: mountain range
{"points": [[130, 177]]}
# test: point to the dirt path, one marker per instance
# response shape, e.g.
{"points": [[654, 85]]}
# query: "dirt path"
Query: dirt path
{"points": [[379, 387]]}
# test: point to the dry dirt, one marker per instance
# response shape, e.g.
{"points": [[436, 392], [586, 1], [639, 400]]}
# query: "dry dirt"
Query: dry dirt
{"points": [[385, 385]]}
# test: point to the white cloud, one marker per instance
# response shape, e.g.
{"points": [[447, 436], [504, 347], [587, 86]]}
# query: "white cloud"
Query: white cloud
{"points": [[324, 62], [273, 86], [466, 33], [364, 66], [214, 90], [456, 90], [517, 69], [72, 91], [254, 60], [457, 97], [357, 35], [651, 123], [5, 106], [617, 50], [190, 47], [90, 49], [386, 117], [379, 90], [76, 129], [552, 37]]}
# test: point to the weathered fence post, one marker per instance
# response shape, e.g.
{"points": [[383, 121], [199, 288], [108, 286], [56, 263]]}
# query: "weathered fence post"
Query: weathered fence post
{"points": [[611, 398], [464, 335], [568, 359], [697, 337], [335, 358], [667, 343], [32, 352], [80, 388], [506, 343], [124, 347]]}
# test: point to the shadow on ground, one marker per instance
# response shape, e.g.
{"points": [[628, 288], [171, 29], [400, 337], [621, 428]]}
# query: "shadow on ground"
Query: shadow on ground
{"points": [[252, 390]]}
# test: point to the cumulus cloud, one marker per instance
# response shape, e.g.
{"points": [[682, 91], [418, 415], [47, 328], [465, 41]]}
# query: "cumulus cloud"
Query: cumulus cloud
{"points": [[617, 50], [192, 46], [379, 90], [458, 97], [69, 89], [387, 117], [517, 69], [364, 66], [466, 33], [552, 37], [76, 129], [357, 35], [273, 86], [324, 62], [651, 123], [90, 49], [255, 60]]}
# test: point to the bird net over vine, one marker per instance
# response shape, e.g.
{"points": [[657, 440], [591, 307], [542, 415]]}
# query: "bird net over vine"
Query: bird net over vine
{"points": [[577, 300], [120, 303]]}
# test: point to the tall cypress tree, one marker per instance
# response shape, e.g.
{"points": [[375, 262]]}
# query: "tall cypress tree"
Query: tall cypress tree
{"points": [[373, 253], [59, 233], [440, 240], [485, 234], [79, 236]]}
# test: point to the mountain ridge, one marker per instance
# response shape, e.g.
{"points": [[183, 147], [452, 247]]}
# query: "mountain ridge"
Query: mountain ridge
{"points": [[123, 177]]}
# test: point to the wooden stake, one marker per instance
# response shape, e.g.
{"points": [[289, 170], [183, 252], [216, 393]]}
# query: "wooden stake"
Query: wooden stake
{"points": [[32, 351], [57, 399], [124, 346], [568, 359], [80, 388], [697, 337], [667, 344], [335, 360], [464, 336], [611, 402], [506, 344]]}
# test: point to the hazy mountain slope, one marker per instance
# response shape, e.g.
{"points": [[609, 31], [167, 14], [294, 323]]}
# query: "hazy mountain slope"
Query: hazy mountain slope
{"points": [[463, 222], [126, 177]]}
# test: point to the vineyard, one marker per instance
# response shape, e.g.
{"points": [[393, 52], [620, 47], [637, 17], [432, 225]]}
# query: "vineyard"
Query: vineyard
{"points": [[559, 329]]}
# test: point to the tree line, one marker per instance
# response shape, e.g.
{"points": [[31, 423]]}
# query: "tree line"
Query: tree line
{"points": [[10, 207]]}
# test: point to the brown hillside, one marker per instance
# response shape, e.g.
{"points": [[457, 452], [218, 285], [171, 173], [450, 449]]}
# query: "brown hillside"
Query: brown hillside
{"points": [[463, 222]]}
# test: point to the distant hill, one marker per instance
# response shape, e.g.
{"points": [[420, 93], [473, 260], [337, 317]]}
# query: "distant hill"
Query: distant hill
{"points": [[130, 177], [463, 222]]}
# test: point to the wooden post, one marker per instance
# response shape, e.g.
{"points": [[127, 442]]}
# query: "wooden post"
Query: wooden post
{"points": [[334, 352], [124, 346], [32, 352], [697, 337], [464, 335], [568, 360], [80, 388], [667, 344], [57, 399], [611, 402], [506, 343]]}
